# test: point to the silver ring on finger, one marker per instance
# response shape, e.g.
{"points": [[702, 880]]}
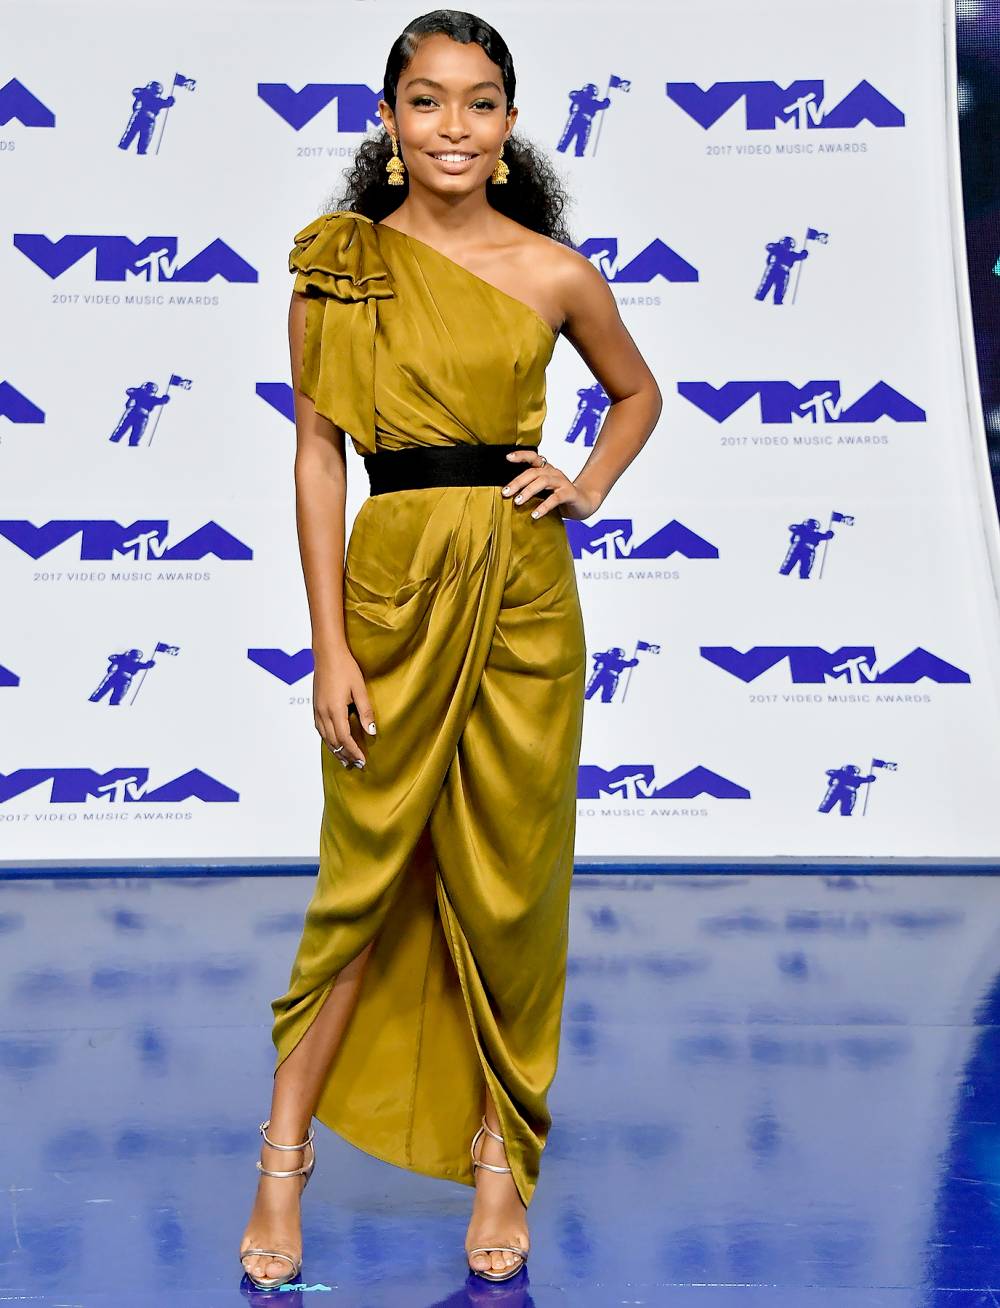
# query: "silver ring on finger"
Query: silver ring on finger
{"points": [[338, 750], [544, 461]]}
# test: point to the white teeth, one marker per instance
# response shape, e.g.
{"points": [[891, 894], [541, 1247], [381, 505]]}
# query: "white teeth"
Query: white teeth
{"points": [[453, 158]]}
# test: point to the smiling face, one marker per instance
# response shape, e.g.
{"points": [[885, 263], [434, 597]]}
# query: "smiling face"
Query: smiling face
{"points": [[451, 116]]}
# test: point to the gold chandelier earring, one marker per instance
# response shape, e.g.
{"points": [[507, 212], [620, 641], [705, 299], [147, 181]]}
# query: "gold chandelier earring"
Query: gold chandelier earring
{"points": [[501, 172], [395, 167]]}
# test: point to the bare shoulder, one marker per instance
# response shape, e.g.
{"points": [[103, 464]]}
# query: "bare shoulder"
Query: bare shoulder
{"points": [[568, 279]]}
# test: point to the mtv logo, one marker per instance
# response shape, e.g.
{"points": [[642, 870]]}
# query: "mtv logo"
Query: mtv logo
{"points": [[611, 538], [115, 786], [802, 104], [854, 664], [144, 540], [638, 781], [357, 104], [785, 402], [656, 260], [119, 259]]}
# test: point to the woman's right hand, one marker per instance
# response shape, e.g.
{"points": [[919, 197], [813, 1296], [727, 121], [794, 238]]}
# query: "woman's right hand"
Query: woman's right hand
{"points": [[337, 682]]}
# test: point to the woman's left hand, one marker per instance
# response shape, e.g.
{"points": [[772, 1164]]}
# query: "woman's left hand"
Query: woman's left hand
{"points": [[571, 500]]}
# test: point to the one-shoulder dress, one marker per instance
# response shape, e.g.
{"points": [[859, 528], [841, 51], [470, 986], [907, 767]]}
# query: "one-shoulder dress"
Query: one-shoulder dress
{"points": [[453, 848]]}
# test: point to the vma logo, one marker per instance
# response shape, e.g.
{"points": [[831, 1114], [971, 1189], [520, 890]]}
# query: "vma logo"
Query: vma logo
{"points": [[638, 781], [657, 259], [611, 538], [357, 104], [115, 786], [288, 668], [18, 104], [801, 106], [815, 402], [855, 664], [142, 541], [16, 407], [119, 259]]}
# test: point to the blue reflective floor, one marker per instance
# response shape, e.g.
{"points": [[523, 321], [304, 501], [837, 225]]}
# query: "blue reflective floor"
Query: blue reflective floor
{"points": [[773, 1090]]}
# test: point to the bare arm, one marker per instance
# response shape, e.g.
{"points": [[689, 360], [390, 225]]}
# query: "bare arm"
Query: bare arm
{"points": [[593, 325], [320, 500]]}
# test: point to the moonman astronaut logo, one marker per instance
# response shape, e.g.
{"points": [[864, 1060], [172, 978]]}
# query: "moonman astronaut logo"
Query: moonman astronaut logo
{"points": [[638, 781], [16, 407], [119, 259], [611, 538], [845, 783], [592, 403], [18, 104], [140, 402], [609, 664], [782, 258], [117, 786], [805, 537], [802, 106], [121, 671], [584, 105], [144, 541], [815, 402], [148, 103]]}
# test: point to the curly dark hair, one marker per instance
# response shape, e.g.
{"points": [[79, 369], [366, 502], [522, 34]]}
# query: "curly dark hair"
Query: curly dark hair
{"points": [[533, 194]]}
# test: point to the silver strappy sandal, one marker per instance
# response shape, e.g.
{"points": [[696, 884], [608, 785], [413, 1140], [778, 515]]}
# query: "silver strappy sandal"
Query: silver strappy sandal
{"points": [[493, 1248], [272, 1282]]}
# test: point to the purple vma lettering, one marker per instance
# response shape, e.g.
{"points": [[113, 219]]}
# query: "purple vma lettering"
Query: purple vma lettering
{"points": [[638, 781], [16, 407], [288, 668], [115, 786], [801, 105], [811, 665], [18, 104], [357, 104], [611, 538], [657, 259], [816, 401], [141, 541], [153, 259]]}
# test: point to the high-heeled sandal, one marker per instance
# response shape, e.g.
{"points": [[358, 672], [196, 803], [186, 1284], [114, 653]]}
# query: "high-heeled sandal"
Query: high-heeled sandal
{"points": [[493, 1248], [272, 1282]]}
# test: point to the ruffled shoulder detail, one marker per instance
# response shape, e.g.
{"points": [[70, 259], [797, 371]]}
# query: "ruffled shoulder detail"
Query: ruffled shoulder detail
{"points": [[338, 254], [338, 264]]}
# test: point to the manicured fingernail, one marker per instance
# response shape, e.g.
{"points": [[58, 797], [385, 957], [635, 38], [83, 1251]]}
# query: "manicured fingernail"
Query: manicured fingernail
{"points": [[517, 499], [371, 728], [359, 763], [534, 513], [505, 491]]}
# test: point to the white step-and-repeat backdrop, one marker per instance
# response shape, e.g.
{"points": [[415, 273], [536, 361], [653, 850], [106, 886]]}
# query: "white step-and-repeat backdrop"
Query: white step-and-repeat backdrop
{"points": [[790, 597]]}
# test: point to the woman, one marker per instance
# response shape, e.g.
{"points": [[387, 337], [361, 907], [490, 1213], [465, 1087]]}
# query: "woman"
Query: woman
{"points": [[425, 998]]}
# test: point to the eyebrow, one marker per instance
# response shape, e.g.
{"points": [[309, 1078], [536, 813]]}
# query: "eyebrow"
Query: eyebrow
{"points": [[437, 85]]}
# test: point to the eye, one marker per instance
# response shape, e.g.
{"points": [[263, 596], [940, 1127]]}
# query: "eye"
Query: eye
{"points": [[489, 104], [421, 99]]}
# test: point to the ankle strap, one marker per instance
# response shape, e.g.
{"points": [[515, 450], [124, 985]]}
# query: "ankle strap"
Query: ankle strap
{"points": [[490, 1132], [263, 1130]]}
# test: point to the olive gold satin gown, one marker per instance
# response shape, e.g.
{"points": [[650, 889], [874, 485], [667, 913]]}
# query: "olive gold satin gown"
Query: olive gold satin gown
{"points": [[453, 848]]}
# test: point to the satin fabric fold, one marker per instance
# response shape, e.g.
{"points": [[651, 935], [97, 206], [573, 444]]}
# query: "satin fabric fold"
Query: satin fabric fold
{"points": [[453, 849]]}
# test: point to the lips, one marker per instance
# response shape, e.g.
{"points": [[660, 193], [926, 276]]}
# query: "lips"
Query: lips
{"points": [[453, 165]]}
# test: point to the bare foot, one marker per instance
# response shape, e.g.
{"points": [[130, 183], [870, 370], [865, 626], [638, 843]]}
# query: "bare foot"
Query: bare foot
{"points": [[275, 1222], [498, 1215]]}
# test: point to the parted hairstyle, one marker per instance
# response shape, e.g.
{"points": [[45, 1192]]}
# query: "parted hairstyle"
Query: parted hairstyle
{"points": [[532, 194]]}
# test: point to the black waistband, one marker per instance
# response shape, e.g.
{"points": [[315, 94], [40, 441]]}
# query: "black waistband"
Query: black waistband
{"points": [[421, 466]]}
